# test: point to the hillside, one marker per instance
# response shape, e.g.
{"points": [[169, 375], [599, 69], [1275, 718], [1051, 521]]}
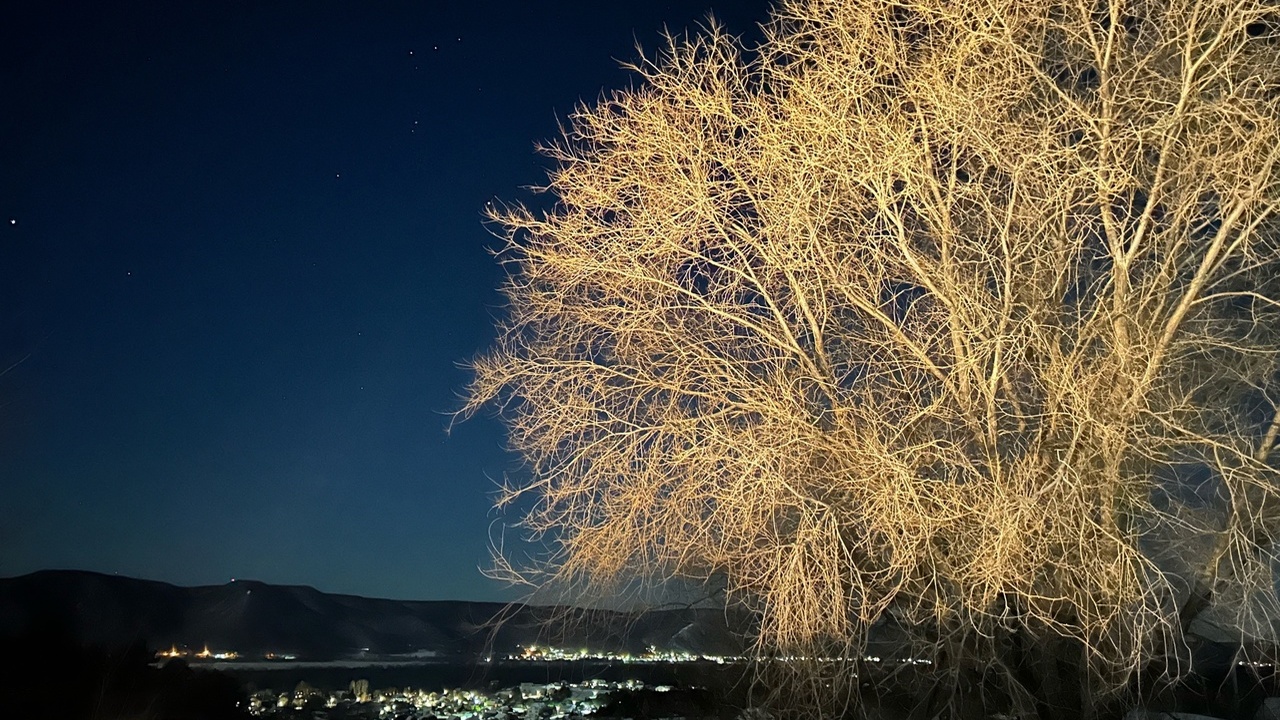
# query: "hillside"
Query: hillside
{"points": [[255, 618]]}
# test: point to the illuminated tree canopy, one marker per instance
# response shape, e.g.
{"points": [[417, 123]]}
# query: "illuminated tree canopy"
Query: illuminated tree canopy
{"points": [[966, 313]]}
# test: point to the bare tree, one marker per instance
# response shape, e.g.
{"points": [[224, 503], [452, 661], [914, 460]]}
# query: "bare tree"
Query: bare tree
{"points": [[964, 313]]}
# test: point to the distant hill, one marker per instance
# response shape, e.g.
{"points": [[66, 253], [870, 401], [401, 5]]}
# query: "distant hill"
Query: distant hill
{"points": [[254, 618]]}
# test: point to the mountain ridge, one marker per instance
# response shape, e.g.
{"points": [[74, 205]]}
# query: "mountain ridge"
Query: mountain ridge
{"points": [[254, 618]]}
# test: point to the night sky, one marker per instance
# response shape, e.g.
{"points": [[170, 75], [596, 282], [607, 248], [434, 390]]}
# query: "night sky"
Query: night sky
{"points": [[241, 259]]}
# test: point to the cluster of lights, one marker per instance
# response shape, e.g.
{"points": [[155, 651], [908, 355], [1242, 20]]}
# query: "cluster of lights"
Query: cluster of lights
{"points": [[546, 653], [206, 654], [865, 658], [559, 700], [841, 660]]}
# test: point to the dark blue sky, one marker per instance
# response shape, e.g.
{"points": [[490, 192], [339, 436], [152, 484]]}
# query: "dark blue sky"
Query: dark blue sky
{"points": [[241, 257]]}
